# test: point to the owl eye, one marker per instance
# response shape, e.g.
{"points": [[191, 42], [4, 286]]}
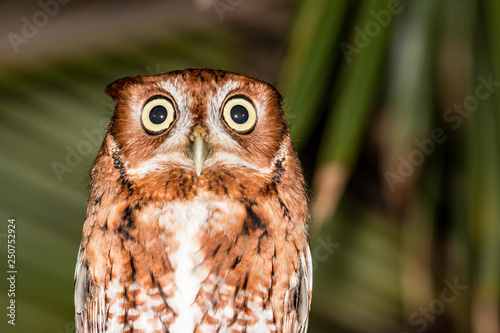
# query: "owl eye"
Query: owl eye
{"points": [[157, 115], [239, 115]]}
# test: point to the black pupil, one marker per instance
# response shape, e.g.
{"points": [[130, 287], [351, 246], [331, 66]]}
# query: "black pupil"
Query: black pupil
{"points": [[158, 114], [239, 114]]}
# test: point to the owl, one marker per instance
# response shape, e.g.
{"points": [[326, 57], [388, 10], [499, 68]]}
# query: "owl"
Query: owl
{"points": [[197, 217]]}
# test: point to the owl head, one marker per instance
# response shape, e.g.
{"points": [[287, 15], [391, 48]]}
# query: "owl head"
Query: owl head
{"points": [[197, 120]]}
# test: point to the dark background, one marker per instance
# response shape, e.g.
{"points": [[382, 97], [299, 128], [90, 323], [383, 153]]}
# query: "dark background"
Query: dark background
{"points": [[391, 112]]}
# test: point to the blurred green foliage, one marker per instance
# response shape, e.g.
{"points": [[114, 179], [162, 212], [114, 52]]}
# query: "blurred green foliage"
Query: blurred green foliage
{"points": [[397, 130]]}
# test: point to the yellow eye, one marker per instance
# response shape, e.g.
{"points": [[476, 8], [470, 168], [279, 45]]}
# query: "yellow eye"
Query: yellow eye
{"points": [[158, 115], [239, 115]]}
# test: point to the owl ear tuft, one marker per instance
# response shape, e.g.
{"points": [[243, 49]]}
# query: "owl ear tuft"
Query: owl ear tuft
{"points": [[116, 89]]}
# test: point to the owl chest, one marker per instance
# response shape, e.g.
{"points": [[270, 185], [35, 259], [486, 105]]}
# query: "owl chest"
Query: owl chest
{"points": [[220, 271], [196, 265], [183, 226]]}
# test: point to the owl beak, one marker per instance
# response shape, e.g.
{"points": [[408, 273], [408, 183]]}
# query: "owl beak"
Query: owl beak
{"points": [[199, 153], [200, 149]]}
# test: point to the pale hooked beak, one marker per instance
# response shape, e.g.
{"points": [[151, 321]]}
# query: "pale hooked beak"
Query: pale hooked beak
{"points": [[200, 150]]}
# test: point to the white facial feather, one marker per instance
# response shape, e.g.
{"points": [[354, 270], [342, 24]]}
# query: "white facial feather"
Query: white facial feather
{"points": [[217, 134], [178, 136]]}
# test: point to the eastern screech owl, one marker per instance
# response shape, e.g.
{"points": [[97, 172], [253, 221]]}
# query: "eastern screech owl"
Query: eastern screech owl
{"points": [[197, 217]]}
